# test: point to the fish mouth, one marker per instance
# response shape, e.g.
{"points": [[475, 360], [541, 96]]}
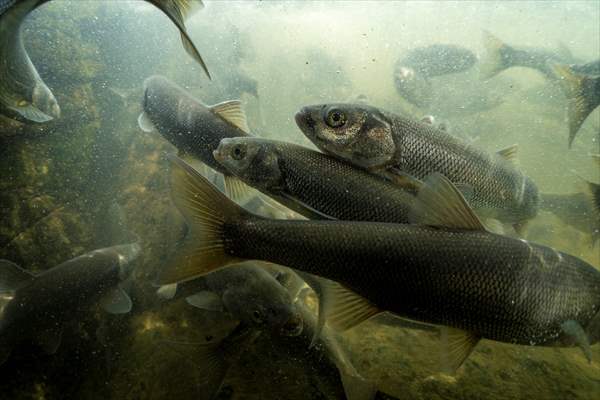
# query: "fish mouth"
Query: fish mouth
{"points": [[293, 327], [304, 121], [220, 153]]}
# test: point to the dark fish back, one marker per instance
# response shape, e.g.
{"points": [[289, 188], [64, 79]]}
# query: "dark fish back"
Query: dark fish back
{"points": [[339, 190]]}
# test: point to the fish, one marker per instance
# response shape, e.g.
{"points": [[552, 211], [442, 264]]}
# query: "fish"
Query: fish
{"points": [[500, 56], [316, 185], [413, 70], [24, 96], [215, 359], [248, 293], [406, 151], [444, 269], [41, 304], [582, 90], [194, 128]]}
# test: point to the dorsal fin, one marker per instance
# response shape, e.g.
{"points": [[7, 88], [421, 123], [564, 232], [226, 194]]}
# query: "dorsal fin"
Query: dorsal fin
{"points": [[439, 203], [232, 112], [509, 153]]}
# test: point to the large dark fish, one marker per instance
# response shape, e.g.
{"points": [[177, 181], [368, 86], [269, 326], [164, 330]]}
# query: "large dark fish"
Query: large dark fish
{"points": [[23, 94], [445, 270], [407, 150], [194, 128], [42, 303], [413, 70], [249, 293], [582, 90], [314, 184], [500, 56]]}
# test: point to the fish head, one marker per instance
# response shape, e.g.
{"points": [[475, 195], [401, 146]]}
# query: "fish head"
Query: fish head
{"points": [[265, 304], [255, 161], [354, 132], [43, 99], [413, 87]]}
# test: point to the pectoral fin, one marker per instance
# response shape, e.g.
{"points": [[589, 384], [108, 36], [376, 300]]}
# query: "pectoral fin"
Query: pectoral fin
{"points": [[231, 111], [116, 302], [167, 292], [145, 123], [236, 190], [356, 387], [32, 113], [575, 332], [206, 300]]}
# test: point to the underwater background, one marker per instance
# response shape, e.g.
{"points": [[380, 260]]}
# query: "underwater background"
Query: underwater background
{"points": [[62, 181]]}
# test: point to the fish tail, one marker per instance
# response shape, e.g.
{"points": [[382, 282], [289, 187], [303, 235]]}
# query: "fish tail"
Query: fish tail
{"points": [[493, 62], [178, 11], [579, 106], [207, 212]]}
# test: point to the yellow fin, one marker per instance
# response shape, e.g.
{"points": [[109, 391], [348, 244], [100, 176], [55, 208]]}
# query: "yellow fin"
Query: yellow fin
{"points": [[509, 153], [439, 203], [340, 307], [237, 190], [232, 112], [206, 211], [457, 345]]}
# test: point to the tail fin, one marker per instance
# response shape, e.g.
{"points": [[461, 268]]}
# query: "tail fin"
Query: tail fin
{"points": [[178, 11], [493, 62], [579, 107], [206, 211]]}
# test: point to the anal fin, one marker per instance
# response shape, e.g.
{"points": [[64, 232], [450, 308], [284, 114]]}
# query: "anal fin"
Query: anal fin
{"points": [[457, 345]]}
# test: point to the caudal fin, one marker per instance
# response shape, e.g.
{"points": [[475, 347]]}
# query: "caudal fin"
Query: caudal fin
{"points": [[578, 106], [178, 11], [206, 211], [493, 62]]}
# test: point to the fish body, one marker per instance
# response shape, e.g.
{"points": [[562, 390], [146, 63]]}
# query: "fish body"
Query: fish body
{"points": [[438, 59], [23, 94], [312, 183], [42, 303], [446, 269], [413, 70], [381, 141], [500, 56], [249, 293], [194, 128]]}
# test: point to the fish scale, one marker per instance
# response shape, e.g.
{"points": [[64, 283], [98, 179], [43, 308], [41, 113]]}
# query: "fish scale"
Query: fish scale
{"points": [[484, 283]]}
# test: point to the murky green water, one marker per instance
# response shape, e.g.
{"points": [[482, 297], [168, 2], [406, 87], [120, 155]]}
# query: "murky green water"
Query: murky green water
{"points": [[61, 181]]}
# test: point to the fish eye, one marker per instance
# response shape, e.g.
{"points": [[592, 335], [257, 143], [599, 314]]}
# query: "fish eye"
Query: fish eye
{"points": [[335, 118], [238, 152], [257, 316]]}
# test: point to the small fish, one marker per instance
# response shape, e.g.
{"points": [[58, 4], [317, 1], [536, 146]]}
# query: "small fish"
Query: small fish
{"points": [[249, 293], [314, 184], [194, 128], [23, 94], [582, 90], [413, 70], [500, 56], [42, 303], [406, 151], [445, 269]]}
